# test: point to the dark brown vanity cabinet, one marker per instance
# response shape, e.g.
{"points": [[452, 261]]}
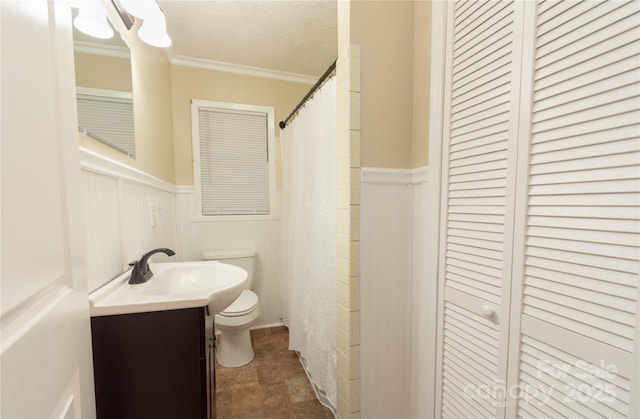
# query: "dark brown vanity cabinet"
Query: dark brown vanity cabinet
{"points": [[154, 365]]}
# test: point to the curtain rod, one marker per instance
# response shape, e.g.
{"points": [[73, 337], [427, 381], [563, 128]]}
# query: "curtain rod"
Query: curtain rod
{"points": [[315, 87]]}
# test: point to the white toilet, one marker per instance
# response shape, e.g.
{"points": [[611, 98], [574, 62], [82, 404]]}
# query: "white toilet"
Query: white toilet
{"points": [[234, 348]]}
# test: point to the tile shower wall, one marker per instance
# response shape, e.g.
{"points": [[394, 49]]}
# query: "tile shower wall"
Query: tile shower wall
{"points": [[126, 213], [348, 232], [262, 235]]}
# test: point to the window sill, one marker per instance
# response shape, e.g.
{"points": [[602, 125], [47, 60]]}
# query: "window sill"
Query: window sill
{"points": [[233, 218]]}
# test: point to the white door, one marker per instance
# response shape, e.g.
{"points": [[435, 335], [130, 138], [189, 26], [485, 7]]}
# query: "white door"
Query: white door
{"points": [[480, 132], [541, 211], [46, 367], [577, 258]]}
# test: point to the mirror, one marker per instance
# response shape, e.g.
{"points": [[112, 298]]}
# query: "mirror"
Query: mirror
{"points": [[104, 90]]}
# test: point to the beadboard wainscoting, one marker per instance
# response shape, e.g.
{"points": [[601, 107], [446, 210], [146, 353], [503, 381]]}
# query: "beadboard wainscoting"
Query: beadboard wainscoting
{"points": [[260, 233], [393, 267], [126, 213], [423, 299]]}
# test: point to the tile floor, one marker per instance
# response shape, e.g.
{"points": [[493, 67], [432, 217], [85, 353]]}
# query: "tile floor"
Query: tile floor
{"points": [[273, 385]]}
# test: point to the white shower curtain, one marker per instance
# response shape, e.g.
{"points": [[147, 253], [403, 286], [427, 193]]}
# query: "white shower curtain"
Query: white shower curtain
{"points": [[309, 238]]}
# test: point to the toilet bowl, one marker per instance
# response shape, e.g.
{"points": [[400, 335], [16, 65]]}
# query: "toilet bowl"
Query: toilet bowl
{"points": [[234, 348]]}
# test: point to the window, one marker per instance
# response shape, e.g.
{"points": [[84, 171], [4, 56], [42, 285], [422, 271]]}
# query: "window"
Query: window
{"points": [[107, 116], [234, 171]]}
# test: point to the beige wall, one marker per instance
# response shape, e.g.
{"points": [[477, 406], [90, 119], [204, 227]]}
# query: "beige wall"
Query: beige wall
{"points": [[421, 82], [153, 118], [394, 39], [192, 83], [103, 72], [384, 31]]}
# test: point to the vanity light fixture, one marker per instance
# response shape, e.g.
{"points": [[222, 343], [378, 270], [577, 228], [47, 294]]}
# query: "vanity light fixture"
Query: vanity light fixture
{"points": [[92, 19], [154, 30], [154, 25]]}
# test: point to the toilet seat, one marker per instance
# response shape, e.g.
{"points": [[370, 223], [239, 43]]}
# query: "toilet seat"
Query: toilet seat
{"points": [[244, 304]]}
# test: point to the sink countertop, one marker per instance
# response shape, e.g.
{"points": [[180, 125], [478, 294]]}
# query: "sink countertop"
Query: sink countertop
{"points": [[120, 297]]}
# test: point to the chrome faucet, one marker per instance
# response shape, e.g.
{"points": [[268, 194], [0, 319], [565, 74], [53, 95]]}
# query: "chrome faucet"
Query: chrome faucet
{"points": [[141, 272]]}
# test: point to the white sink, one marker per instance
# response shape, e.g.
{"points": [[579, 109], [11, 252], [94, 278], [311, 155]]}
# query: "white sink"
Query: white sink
{"points": [[177, 280], [173, 286]]}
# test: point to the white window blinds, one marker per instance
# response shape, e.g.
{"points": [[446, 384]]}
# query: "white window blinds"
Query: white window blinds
{"points": [[234, 161], [109, 120]]}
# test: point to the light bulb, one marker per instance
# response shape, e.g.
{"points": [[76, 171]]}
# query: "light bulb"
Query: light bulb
{"points": [[154, 30], [92, 20]]}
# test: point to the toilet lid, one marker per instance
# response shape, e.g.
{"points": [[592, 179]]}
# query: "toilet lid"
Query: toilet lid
{"points": [[246, 302]]}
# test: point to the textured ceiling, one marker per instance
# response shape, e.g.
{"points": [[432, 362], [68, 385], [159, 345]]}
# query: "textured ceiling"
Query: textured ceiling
{"points": [[291, 36]]}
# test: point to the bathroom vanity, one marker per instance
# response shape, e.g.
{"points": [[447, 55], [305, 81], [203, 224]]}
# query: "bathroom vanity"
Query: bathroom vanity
{"points": [[153, 343], [157, 364]]}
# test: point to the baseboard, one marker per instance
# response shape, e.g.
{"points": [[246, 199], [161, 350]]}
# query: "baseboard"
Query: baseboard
{"points": [[265, 326]]}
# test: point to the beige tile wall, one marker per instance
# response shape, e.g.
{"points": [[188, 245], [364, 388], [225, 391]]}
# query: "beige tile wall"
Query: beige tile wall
{"points": [[348, 230]]}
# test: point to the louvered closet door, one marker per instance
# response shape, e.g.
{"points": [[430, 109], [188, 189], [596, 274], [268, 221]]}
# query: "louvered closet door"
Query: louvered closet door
{"points": [[580, 253], [475, 247]]}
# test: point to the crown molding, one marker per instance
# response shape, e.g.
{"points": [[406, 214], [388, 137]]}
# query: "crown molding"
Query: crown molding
{"points": [[182, 60], [98, 49], [240, 69]]}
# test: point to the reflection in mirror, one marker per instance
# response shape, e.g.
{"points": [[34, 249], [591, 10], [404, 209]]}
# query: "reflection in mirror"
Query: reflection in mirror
{"points": [[104, 91]]}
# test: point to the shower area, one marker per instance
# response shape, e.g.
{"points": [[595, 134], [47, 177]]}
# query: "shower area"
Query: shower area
{"points": [[308, 249]]}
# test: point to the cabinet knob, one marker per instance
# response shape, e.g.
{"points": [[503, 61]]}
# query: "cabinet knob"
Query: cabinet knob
{"points": [[488, 310]]}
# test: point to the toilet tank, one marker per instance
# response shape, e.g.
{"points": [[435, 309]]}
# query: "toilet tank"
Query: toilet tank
{"points": [[243, 258]]}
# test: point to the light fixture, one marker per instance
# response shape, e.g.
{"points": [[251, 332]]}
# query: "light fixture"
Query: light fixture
{"points": [[92, 20], [154, 30]]}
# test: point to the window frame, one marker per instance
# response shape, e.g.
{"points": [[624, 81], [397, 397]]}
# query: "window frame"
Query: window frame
{"points": [[196, 104]]}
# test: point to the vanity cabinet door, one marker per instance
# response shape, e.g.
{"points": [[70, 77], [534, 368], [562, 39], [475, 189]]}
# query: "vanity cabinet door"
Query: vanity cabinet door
{"points": [[150, 365]]}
